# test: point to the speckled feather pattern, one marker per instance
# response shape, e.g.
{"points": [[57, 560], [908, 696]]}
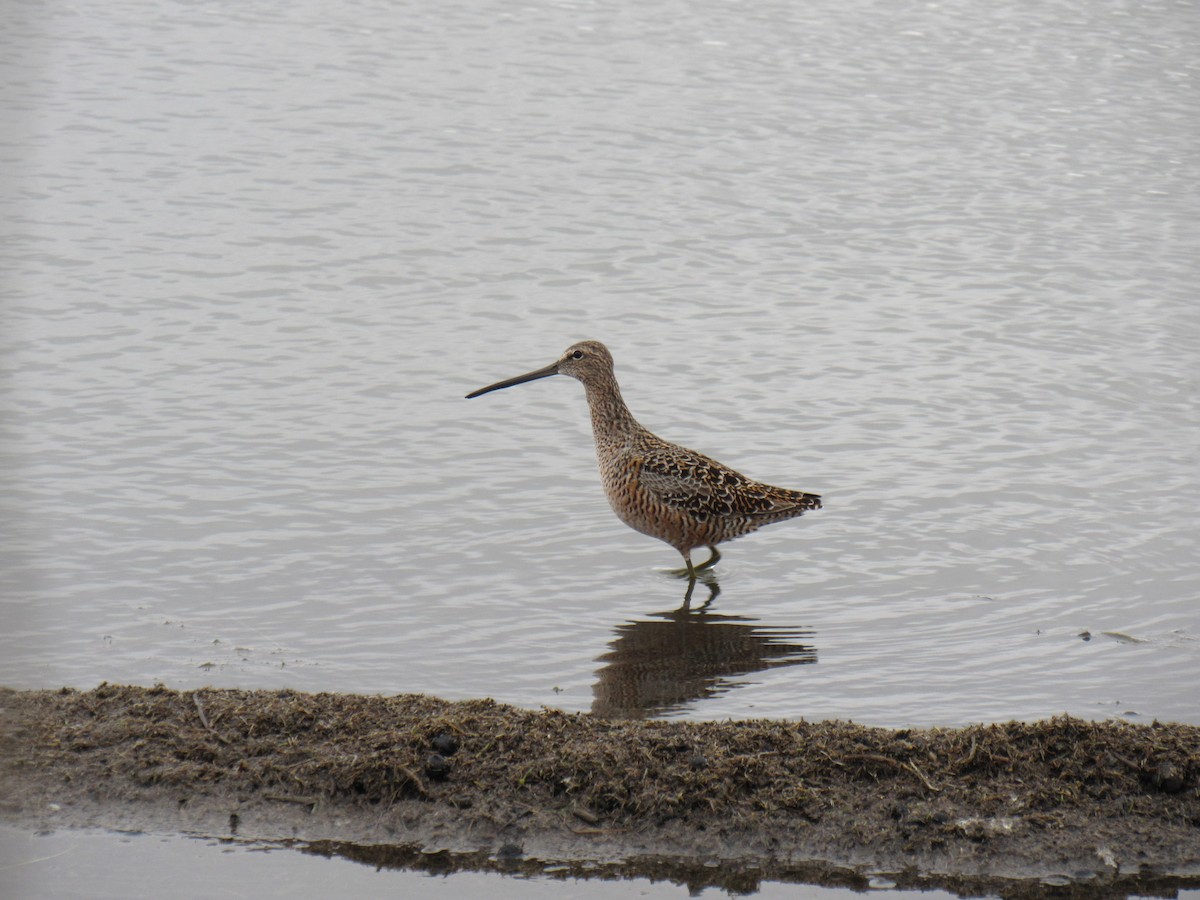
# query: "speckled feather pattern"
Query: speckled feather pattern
{"points": [[669, 492]]}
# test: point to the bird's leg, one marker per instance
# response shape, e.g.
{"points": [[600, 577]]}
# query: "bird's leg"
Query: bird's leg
{"points": [[690, 572], [691, 577], [711, 561]]}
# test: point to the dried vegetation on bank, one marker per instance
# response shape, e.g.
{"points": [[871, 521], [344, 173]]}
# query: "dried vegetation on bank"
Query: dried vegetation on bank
{"points": [[1120, 794]]}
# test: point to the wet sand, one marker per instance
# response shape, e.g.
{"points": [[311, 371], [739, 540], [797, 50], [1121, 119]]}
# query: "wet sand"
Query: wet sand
{"points": [[1061, 807]]}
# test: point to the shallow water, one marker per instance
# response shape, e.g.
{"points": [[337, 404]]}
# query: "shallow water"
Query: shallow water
{"points": [[937, 264], [93, 865]]}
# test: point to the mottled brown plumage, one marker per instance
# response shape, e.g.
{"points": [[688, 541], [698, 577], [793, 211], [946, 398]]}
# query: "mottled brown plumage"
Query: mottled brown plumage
{"points": [[659, 488]]}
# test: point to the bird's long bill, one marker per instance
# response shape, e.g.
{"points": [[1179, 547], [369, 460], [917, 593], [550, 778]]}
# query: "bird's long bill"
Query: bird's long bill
{"points": [[520, 379]]}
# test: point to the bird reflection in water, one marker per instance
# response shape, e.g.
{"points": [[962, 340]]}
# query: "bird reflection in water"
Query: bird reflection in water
{"points": [[659, 665]]}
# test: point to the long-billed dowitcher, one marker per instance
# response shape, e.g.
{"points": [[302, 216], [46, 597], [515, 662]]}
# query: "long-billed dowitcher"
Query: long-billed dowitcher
{"points": [[659, 488]]}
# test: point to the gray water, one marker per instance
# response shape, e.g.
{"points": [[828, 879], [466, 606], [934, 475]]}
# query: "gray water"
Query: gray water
{"points": [[936, 262], [85, 865]]}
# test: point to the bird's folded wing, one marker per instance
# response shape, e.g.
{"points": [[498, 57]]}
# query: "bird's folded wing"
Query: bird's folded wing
{"points": [[701, 486]]}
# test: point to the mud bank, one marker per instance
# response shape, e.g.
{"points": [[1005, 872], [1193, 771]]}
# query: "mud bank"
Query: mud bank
{"points": [[1061, 807]]}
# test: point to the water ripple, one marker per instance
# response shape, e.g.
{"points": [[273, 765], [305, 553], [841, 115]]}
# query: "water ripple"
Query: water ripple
{"points": [[937, 265]]}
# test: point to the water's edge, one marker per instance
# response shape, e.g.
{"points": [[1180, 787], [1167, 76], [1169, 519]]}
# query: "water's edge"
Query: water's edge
{"points": [[412, 782]]}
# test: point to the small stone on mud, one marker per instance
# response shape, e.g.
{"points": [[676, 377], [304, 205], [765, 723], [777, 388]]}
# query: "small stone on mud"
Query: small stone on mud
{"points": [[445, 744], [1168, 778], [437, 767], [510, 851]]}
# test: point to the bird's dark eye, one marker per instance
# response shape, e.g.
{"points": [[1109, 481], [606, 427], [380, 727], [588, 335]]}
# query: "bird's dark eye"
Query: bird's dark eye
{"points": [[578, 354]]}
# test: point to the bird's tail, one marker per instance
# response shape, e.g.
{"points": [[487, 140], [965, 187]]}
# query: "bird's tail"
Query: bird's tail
{"points": [[806, 501]]}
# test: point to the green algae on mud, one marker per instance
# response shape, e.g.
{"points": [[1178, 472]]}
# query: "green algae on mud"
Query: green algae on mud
{"points": [[1095, 803]]}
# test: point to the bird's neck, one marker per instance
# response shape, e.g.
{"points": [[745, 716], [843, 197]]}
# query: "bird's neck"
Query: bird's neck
{"points": [[612, 422]]}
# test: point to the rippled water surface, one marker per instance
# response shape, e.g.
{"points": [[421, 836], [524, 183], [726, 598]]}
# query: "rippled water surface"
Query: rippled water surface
{"points": [[937, 263]]}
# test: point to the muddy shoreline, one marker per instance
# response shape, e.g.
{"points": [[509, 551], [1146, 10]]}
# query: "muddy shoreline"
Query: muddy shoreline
{"points": [[1061, 807]]}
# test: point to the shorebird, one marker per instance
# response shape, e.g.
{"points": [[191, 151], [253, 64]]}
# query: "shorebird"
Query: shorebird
{"points": [[658, 488]]}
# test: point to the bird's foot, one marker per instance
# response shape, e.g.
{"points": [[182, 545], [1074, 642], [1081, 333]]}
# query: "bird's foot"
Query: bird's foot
{"points": [[690, 571]]}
